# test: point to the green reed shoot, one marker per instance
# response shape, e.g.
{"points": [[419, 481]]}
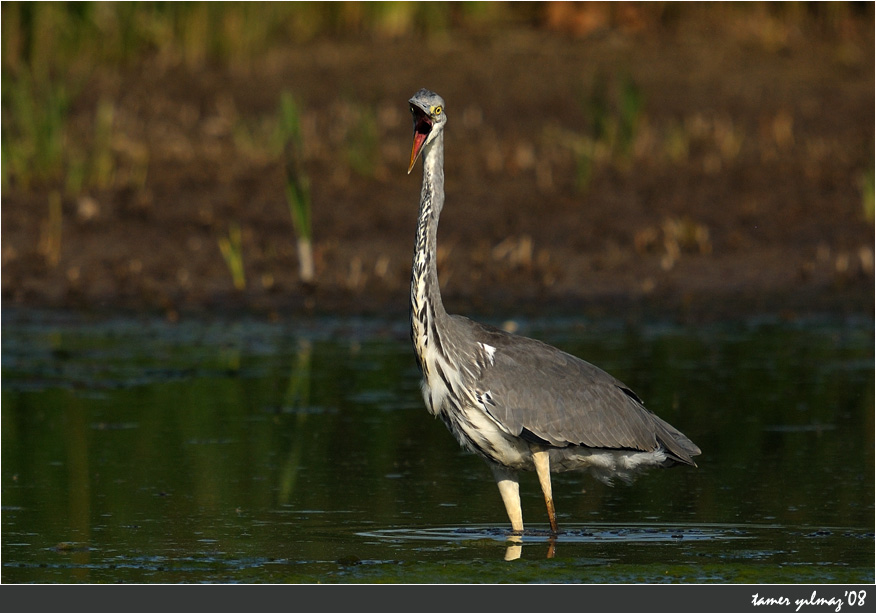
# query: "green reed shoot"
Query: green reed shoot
{"points": [[629, 112], [35, 141], [35, 114], [50, 235], [613, 110], [297, 185], [102, 160], [232, 251], [363, 143]]}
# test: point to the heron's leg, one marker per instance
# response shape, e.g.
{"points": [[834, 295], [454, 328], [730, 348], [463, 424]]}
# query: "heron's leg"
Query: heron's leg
{"points": [[509, 488], [543, 470]]}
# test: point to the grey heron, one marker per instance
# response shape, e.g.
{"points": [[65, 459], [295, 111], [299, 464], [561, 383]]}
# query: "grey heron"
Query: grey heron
{"points": [[519, 403]]}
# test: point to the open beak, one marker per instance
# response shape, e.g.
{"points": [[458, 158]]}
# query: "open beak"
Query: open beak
{"points": [[422, 128]]}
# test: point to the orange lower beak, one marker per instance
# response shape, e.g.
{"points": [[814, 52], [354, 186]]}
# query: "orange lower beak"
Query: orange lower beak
{"points": [[422, 129], [419, 140]]}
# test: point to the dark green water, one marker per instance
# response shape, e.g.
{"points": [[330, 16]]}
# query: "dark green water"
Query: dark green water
{"points": [[242, 451]]}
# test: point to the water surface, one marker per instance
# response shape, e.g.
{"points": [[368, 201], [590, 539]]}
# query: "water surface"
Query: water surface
{"points": [[223, 450]]}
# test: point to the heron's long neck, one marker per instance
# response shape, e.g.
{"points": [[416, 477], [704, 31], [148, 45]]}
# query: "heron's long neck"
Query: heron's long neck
{"points": [[428, 317]]}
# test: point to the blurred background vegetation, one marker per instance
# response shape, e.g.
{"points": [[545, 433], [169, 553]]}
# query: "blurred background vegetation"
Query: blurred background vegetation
{"points": [[86, 141], [50, 50]]}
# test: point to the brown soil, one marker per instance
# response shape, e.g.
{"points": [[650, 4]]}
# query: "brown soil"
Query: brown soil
{"points": [[742, 193]]}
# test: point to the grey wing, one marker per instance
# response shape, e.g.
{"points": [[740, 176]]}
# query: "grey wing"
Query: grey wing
{"points": [[539, 392]]}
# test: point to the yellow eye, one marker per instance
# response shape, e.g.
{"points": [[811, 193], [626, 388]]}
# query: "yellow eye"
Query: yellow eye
{"points": [[438, 110]]}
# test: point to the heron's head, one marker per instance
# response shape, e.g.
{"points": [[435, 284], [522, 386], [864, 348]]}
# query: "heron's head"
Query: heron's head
{"points": [[427, 109]]}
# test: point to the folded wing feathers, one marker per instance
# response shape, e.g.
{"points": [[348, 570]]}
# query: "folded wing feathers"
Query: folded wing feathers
{"points": [[566, 401]]}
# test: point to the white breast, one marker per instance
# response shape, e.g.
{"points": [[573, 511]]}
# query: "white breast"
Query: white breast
{"points": [[464, 412]]}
